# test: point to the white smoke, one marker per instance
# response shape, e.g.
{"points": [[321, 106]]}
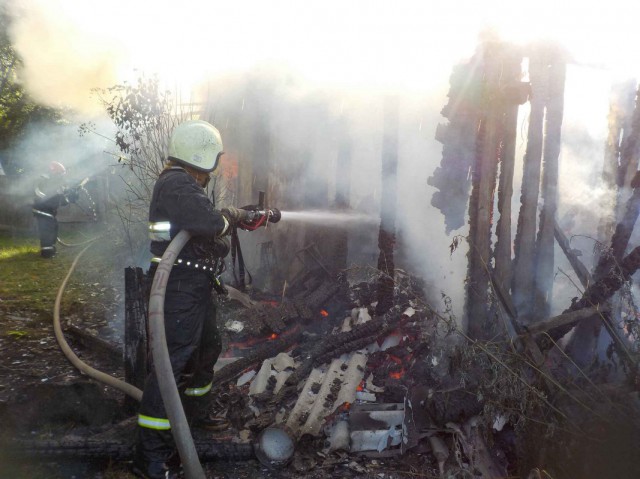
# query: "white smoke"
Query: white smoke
{"points": [[339, 59]]}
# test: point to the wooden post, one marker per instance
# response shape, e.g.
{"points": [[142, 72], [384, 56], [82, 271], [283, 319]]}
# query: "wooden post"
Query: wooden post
{"points": [[135, 330], [343, 195], [388, 207]]}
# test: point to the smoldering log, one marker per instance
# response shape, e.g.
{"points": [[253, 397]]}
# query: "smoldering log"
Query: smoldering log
{"points": [[334, 345], [388, 206]]}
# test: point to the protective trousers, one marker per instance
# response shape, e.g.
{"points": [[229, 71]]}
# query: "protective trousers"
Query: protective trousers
{"points": [[194, 346], [48, 232]]}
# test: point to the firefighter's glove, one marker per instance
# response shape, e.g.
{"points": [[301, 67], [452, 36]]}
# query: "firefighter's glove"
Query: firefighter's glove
{"points": [[234, 215], [72, 195]]}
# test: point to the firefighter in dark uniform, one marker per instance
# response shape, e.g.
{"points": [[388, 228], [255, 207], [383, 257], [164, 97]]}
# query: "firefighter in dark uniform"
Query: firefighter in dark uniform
{"points": [[50, 194], [179, 202]]}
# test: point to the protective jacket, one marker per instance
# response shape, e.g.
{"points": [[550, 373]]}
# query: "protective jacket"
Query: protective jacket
{"points": [[50, 194], [178, 202]]}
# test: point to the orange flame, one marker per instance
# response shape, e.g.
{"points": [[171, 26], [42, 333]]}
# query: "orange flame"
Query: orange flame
{"points": [[397, 375], [273, 336], [324, 313]]}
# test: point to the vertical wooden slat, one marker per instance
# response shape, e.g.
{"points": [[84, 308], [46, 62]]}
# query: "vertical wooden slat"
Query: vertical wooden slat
{"points": [[524, 246], [482, 194], [554, 107]]}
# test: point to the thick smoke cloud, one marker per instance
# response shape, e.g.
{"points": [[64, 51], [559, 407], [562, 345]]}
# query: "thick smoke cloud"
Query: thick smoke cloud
{"points": [[336, 61]]}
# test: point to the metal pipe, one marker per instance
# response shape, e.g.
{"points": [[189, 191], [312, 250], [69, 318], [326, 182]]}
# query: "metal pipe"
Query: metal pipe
{"points": [[162, 362]]}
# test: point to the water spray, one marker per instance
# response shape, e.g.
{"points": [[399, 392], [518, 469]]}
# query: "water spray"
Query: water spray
{"points": [[330, 218]]}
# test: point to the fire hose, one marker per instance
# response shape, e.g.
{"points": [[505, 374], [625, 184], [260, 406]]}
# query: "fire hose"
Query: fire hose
{"points": [[164, 371], [158, 343], [126, 388]]}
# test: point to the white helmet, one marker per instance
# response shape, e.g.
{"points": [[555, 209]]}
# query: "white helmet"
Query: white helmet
{"points": [[197, 144]]}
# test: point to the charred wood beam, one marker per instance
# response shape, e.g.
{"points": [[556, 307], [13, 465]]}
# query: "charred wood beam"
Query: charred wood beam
{"points": [[544, 271], [388, 207], [135, 330], [621, 107], [580, 269], [524, 245], [624, 229], [482, 194], [451, 179], [597, 293], [629, 148], [572, 317], [514, 94], [619, 167], [119, 450], [95, 344]]}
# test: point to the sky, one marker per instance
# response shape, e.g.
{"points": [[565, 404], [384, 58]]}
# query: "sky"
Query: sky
{"points": [[71, 46]]}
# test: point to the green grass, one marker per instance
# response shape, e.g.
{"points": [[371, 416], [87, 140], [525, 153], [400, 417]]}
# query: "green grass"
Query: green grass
{"points": [[29, 283]]}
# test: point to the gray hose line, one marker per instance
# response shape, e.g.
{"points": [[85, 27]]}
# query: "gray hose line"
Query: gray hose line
{"points": [[126, 388], [162, 363], [73, 245]]}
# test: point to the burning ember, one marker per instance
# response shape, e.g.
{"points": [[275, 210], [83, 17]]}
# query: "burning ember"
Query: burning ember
{"points": [[324, 313]]}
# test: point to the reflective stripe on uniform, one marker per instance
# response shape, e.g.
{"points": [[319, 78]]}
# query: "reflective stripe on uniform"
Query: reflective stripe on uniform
{"points": [[198, 391], [192, 264], [157, 423], [42, 213], [160, 231]]}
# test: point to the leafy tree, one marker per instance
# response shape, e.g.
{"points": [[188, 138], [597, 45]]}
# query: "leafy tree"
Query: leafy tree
{"points": [[17, 109]]}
